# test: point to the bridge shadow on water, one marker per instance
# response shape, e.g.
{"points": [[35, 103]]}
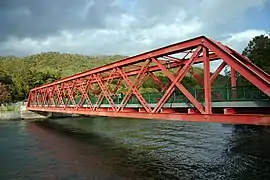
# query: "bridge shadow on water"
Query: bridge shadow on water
{"points": [[205, 151], [124, 161]]}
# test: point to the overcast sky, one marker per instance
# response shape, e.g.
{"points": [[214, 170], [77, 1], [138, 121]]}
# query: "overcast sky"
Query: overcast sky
{"points": [[125, 27]]}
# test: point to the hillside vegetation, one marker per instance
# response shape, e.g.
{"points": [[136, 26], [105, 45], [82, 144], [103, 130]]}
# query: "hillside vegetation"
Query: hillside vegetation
{"points": [[19, 75], [63, 63]]}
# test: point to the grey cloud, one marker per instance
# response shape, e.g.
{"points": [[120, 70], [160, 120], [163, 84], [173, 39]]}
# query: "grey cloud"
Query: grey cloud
{"points": [[122, 26], [159, 8], [151, 12], [40, 18]]}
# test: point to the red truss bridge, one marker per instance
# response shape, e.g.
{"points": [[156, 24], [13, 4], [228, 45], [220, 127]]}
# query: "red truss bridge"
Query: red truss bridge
{"points": [[96, 92]]}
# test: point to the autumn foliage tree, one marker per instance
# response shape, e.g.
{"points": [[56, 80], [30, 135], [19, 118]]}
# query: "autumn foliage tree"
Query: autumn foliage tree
{"points": [[5, 95]]}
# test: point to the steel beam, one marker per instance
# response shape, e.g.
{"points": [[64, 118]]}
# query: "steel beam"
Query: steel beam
{"points": [[246, 61], [246, 69], [179, 85], [253, 119], [207, 83]]}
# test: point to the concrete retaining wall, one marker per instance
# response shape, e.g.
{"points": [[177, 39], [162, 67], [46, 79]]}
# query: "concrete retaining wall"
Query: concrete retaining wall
{"points": [[23, 113], [10, 115]]}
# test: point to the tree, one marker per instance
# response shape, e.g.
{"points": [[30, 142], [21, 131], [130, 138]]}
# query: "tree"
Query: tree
{"points": [[38, 78], [6, 79], [227, 71], [258, 51], [5, 95]]}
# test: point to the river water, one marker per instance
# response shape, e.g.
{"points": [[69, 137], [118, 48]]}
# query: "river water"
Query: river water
{"points": [[111, 148]]}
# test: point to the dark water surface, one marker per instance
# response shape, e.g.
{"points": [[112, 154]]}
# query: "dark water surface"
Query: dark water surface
{"points": [[107, 148]]}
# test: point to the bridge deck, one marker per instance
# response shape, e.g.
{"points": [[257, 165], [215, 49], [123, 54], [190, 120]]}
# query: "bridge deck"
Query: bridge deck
{"points": [[239, 104]]}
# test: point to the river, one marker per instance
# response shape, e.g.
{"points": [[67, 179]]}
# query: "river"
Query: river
{"points": [[110, 148]]}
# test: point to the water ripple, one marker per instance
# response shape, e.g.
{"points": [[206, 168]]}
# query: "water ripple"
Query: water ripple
{"points": [[111, 148]]}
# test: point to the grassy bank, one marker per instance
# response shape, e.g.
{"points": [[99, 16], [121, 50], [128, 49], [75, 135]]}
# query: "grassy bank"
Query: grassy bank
{"points": [[10, 107]]}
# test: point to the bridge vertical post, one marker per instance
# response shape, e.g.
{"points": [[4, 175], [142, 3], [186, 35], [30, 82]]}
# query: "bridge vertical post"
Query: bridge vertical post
{"points": [[207, 83], [29, 99], [233, 83]]}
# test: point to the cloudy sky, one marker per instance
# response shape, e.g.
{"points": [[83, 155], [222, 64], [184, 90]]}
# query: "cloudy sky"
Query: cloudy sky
{"points": [[125, 26]]}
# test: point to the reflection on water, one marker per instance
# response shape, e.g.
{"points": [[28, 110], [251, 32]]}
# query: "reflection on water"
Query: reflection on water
{"points": [[111, 148]]}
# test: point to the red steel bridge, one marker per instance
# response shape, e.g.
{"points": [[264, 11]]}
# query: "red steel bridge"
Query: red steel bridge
{"points": [[95, 92]]}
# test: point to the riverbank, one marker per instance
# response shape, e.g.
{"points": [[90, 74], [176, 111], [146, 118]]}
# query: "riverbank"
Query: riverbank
{"points": [[11, 111], [18, 111], [10, 115]]}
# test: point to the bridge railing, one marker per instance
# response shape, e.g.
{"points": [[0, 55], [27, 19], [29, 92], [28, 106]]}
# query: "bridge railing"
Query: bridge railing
{"points": [[218, 95], [226, 94]]}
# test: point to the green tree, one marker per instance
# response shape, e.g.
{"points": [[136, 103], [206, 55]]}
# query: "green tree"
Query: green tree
{"points": [[38, 78], [6, 80], [227, 71], [258, 51]]}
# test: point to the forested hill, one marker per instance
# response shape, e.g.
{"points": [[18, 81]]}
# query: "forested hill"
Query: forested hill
{"points": [[20, 74], [63, 63]]}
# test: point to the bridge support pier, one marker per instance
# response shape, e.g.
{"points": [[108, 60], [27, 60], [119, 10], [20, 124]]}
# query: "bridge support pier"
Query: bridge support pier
{"points": [[142, 110], [229, 111], [128, 110], [167, 110], [192, 111]]}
